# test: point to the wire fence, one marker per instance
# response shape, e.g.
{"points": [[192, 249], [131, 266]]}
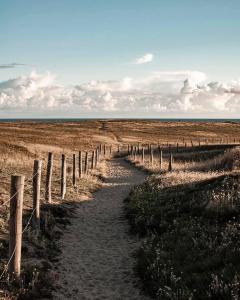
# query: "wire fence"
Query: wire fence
{"points": [[28, 222], [130, 152]]}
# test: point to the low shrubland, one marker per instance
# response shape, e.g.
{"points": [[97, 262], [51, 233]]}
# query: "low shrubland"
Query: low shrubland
{"points": [[190, 224]]}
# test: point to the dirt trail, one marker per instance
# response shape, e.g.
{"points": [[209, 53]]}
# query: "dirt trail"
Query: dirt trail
{"points": [[97, 262]]}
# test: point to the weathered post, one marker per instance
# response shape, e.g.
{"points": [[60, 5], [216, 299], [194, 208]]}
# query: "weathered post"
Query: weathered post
{"points": [[160, 157], [170, 166], [142, 155], [131, 151], [15, 226], [96, 157], [37, 170], [48, 190], [135, 153], [92, 160], [104, 149], [150, 148], [128, 150], [118, 149], [86, 163], [151, 157], [63, 177], [74, 170], [80, 166]]}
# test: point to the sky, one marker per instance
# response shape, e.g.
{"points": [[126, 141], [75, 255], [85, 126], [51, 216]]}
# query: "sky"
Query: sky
{"points": [[119, 58]]}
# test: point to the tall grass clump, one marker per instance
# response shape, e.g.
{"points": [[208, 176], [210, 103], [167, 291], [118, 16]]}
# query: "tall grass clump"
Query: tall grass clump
{"points": [[191, 231]]}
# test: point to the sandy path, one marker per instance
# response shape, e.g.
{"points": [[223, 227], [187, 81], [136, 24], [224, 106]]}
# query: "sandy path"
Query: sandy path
{"points": [[96, 261]]}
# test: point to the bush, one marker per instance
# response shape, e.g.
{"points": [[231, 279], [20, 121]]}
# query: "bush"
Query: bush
{"points": [[192, 238]]}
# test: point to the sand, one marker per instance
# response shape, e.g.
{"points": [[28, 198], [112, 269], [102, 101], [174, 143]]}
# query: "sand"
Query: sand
{"points": [[96, 260]]}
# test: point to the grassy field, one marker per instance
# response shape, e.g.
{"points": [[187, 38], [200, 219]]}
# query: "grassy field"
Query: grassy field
{"points": [[189, 222], [22, 142]]}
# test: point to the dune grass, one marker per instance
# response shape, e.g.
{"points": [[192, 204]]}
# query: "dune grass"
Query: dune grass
{"points": [[22, 142], [189, 220]]}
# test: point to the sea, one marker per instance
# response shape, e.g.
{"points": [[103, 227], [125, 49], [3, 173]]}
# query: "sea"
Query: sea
{"points": [[70, 120]]}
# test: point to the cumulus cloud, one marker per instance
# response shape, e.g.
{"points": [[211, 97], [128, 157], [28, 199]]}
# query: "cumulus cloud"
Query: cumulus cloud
{"points": [[159, 94], [148, 57]]}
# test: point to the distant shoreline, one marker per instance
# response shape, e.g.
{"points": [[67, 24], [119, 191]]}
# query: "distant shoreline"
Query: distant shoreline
{"points": [[56, 120]]}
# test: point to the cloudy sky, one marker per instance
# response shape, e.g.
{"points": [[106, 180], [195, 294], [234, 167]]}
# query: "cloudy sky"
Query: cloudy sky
{"points": [[138, 58]]}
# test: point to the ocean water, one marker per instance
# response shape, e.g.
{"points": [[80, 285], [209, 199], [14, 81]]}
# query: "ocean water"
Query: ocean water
{"points": [[61, 120]]}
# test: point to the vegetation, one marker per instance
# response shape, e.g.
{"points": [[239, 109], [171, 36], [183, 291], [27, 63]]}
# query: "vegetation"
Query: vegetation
{"points": [[190, 222], [22, 142]]}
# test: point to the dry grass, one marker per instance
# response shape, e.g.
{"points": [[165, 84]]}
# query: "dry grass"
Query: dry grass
{"points": [[22, 142], [190, 221]]}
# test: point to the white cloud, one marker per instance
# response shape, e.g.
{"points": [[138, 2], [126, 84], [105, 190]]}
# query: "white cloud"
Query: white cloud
{"points": [[159, 94], [148, 57]]}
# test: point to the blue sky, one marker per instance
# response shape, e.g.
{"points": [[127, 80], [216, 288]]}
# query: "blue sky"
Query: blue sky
{"points": [[84, 40], [120, 58]]}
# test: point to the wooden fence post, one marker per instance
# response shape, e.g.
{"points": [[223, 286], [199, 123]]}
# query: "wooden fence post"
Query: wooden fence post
{"points": [[96, 156], [135, 153], [151, 157], [143, 155], [160, 158], [131, 150], [15, 226], [86, 162], [80, 165], [63, 177], [37, 170], [128, 150], [74, 170], [92, 160], [104, 149], [170, 166], [48, 191]]}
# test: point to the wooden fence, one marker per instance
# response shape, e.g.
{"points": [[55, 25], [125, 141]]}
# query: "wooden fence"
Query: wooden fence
{"points": [[86, 162], [90, 162]]}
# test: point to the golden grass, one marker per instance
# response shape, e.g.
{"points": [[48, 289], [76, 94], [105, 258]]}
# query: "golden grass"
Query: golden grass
{"points": [[22, 142]]}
